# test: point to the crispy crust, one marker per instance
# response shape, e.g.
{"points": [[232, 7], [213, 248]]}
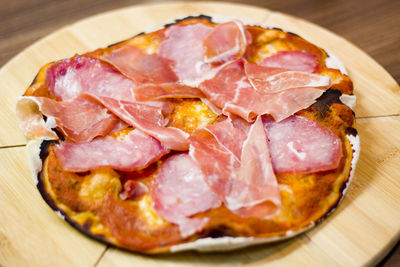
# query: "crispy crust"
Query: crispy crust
{"points": [[86, 216]]}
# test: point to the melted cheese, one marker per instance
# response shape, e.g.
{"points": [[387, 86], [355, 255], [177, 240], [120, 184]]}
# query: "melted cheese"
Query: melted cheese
{"points": [[148, 213], [190, 114], [147, 43], [99, 182]]}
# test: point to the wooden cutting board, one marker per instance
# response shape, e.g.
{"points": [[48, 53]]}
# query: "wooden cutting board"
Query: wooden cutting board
{"points": [[361, 231]]}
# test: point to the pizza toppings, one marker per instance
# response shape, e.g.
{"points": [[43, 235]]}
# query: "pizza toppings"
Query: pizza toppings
{"points": [[299, 145], [69, 78], [268, 80], [227, 41], [184, 45], [148, 119], [79, 119], [180, 191], [292, 60], [133, 190], [254, 191], [149, 92], [135, 151], [31, 121], [233, 161], [236, 163], [139, 66], [231, 90], [217, 149]]}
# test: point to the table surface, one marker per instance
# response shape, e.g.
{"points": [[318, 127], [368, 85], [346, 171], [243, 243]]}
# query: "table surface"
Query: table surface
{"points": [[371, 25]]}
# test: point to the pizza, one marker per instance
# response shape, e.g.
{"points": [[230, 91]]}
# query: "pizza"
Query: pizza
{"points": [[199, 135]]}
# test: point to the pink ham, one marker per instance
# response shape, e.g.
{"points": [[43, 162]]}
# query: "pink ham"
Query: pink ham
{"points": [[119, 126], [141, 67], [179, 191], [149, 92], [148, 119], [80, 119], [255, 191], [292, 60], [69, 78], [133, 190], [234, 157], [217, 149], [268, 80], [230, 133], [227, 41], [184, 45], [300, 145], [232, 91], [137, 150]]}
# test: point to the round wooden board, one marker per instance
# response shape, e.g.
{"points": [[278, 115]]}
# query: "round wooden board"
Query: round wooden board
{"points": [[362, 230]]}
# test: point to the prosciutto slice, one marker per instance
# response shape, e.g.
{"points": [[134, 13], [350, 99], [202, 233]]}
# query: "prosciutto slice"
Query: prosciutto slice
{"points": [[300, 145], [133, 190], [148, 119], [179, 191], [255, 191], [235, 160], [141, 67], [184, 45], [292, 60], [217, 150], [135, 151], [231, 90], [227, 41], [151, 92], [80, 119], [268, 80], [70, 78]]}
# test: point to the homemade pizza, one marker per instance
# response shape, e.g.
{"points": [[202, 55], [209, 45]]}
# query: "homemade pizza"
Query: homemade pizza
{"points": [[198, 136]]}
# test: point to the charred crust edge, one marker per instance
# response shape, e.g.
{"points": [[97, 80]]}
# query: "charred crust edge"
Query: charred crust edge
{"points": [[34, 79], [351, 131], [344, 186], [324, 102], [84, 228], [208, 18], [117, 43], [201, 16]]}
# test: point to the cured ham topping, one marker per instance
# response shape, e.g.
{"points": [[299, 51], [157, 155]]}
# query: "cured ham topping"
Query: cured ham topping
{"points": [[149, 92], [184, 45], [70, 78], [217, 149], [236, 163], [148, 119], [300, 145], [231, 90], [227, 41], [268, 80], [255, 191], [141, 67], [180, 192], [137, 150], [80, 119], [292, 60], [31, 121], [133, 190]]}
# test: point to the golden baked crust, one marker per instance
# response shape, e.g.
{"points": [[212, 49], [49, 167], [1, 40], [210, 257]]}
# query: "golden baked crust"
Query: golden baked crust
{"points": [[90, 201]]}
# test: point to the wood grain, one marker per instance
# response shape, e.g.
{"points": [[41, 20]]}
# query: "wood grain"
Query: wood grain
{"points": [[363, 229], [31, 234]]}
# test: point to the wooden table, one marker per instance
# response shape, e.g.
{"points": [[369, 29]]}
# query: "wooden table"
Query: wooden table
{"points": [[371, 25]]}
